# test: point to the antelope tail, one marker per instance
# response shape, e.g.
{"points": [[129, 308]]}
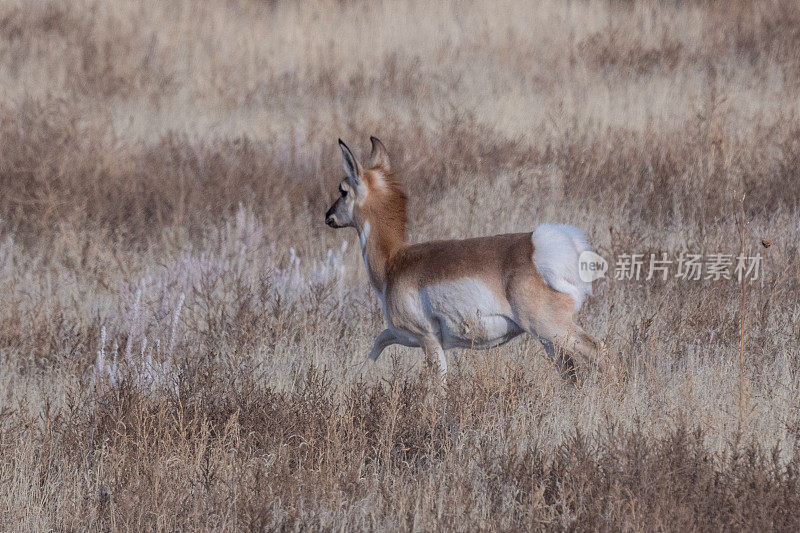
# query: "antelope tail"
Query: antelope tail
{"points": [[556, 249]]}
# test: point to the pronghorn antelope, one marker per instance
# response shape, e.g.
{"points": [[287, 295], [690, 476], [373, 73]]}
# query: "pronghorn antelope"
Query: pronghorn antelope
{"points": [[471, 293]]}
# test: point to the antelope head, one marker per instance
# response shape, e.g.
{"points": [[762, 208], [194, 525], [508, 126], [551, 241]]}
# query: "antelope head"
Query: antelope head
{"points": [[356, 186]]}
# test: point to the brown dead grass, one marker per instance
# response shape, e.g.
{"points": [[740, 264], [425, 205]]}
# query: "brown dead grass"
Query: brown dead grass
{"points": [[160, 159]]}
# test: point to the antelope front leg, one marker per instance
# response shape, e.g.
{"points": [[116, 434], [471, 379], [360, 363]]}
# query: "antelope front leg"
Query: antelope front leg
{"points": [[434, 355], [385, 339]]}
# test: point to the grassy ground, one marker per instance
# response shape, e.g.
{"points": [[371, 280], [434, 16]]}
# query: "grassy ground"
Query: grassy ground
{"points": [[181, 337]]}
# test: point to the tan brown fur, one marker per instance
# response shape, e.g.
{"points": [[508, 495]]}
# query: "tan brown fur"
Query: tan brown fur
{"points": [[385, 210], [503, 263]]}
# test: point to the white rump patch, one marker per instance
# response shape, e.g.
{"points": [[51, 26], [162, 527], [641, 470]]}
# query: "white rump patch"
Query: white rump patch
{"points": [[556, 252]]}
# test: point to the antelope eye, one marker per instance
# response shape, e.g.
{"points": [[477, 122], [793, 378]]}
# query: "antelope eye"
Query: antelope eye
{"points": [[344, 192]]}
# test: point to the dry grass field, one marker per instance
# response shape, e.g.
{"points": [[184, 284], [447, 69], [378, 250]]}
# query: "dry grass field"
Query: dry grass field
{"points": [[182, 339]]}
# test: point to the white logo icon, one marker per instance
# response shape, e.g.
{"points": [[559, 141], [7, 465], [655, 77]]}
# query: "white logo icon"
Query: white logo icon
{"points": [[591, 266]]}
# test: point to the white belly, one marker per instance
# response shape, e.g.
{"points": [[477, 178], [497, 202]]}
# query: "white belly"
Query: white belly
{"points": [[468, 314]]}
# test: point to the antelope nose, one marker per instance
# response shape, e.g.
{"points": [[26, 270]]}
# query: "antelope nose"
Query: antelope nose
{"points": [[329, 218]]}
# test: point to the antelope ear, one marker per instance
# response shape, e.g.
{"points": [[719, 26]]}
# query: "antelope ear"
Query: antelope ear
{"points": [[379, 156], [351, 166]]}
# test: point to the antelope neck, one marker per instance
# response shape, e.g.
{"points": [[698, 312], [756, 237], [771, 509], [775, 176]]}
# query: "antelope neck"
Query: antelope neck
{"points": [[378, 245]]}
